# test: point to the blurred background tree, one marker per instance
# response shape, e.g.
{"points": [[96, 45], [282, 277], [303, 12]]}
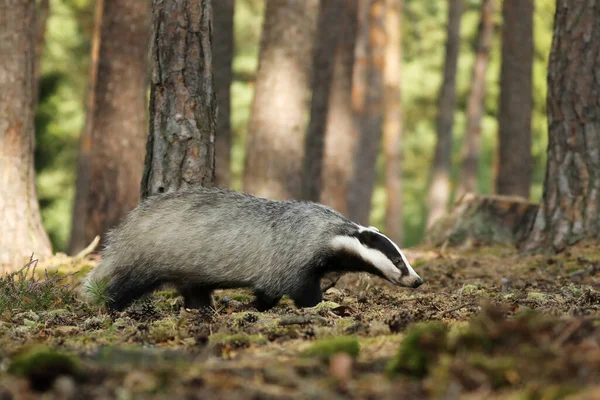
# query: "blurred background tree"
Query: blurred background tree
{"points": [[64, 81]]}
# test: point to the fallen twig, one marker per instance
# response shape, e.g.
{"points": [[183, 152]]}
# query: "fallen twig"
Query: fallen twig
{"points": [[88, 250]]}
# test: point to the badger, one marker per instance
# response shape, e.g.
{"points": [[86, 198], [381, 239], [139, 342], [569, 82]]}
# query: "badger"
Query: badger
{"points": [[201, 239]]}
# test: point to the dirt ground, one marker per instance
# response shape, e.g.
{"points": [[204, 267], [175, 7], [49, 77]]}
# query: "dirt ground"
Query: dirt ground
{"points": [[487, 323]]}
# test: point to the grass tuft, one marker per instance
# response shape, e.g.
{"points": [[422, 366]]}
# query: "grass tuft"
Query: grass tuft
{"points": [[22, 291]]}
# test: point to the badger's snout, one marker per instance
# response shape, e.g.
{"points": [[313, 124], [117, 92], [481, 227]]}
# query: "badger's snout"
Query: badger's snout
{"points": [[410, 281], [418, 282]]}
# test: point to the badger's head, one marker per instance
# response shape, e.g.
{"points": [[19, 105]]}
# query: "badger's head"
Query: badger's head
{"points": [[378, 254]]}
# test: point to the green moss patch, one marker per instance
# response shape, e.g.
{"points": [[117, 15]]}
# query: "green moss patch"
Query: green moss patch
{"points": [[325, 348]]}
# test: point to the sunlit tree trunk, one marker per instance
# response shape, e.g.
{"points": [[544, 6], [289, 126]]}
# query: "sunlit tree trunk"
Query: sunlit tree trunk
{"points": [[569, 210], [22, 233], [439, 187], [180, 151], [276, 131], [118, 124], [368, 105], [516, 100], [475, 105], [392, 126], [222, 69]]}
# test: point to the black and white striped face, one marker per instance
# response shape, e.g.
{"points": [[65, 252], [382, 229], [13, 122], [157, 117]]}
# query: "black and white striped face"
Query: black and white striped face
{"points": [[384, 255]]}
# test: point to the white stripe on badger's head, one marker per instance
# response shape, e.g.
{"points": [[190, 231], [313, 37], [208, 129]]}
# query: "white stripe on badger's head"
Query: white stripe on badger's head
{"points": [[378, 250]]}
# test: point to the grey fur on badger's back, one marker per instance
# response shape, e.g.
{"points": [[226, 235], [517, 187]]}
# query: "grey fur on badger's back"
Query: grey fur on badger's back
{"points": [[201, 239]]}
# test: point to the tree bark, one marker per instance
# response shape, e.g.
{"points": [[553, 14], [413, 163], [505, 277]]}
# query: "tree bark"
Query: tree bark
{"points": [[438, 195], [368, 105], [392, 125], [275, 147], [570, 203], [329, 172], [472, 141], [329, 29], [79, 214], [223, 48], [180, 149], [118, 124], [22, 233], [516, 99]]}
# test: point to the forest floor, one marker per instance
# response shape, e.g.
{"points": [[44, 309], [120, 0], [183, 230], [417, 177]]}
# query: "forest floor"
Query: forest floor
{"points": [[487, 323]]}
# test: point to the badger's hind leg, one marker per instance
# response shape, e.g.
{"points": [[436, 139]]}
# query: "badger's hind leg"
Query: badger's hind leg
{"points": [[195, 297], [265, 301], [308, 295]]}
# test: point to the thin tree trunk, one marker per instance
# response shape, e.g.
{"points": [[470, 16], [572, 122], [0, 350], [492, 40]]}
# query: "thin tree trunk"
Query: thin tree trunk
{"points": [[368, 101], [223, 49], [41, 17], [342, 129], [118, 128], [180, 150], [439, 187], [22, 233], [276, 131], [329, 29], [82, 184], [392, 126], [472, 141], [516, 100], [569, 210]]}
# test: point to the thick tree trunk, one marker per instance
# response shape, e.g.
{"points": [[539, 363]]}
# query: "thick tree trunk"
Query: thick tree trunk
{"points": [[392, 126], [569, 210], [180, 150], [439, 187], [118, 125], [223, 48], [276, 131], [82, 185], [329, 28], [516, 99], [22, 233], [338, 146], [368, 105], [472, 140]]}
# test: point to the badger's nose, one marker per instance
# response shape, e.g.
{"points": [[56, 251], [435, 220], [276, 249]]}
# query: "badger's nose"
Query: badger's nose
{"points": [[418, 282]]}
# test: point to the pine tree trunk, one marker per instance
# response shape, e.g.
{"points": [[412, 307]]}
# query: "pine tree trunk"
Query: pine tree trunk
{"points": [[569, 210], [82, 184], [22, 233], [118, 128], [516, 100], [439, 187], [329, 28], [276, 131], [342, 128], [392, 126], [223, 45], [329, 172], [180, 149], [368, 105], [472, 140]]}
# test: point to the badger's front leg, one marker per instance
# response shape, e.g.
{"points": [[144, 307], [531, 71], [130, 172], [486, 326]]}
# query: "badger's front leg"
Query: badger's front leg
{"points": [[309, 294], [264, 301]]}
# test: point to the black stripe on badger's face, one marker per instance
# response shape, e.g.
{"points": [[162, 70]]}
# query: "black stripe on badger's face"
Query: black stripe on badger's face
{"points": [[400, 271]]}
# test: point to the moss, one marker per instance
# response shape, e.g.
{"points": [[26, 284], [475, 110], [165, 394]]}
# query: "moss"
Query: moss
{"points": [[420, 348], [42, 365], [326, 306], [470, 289], [241, 297], [501, 371], [536, 296], [325, 348]]}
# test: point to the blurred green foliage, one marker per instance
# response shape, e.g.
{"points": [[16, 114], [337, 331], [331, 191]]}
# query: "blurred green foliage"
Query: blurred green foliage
{"points": [[63, 87]]}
